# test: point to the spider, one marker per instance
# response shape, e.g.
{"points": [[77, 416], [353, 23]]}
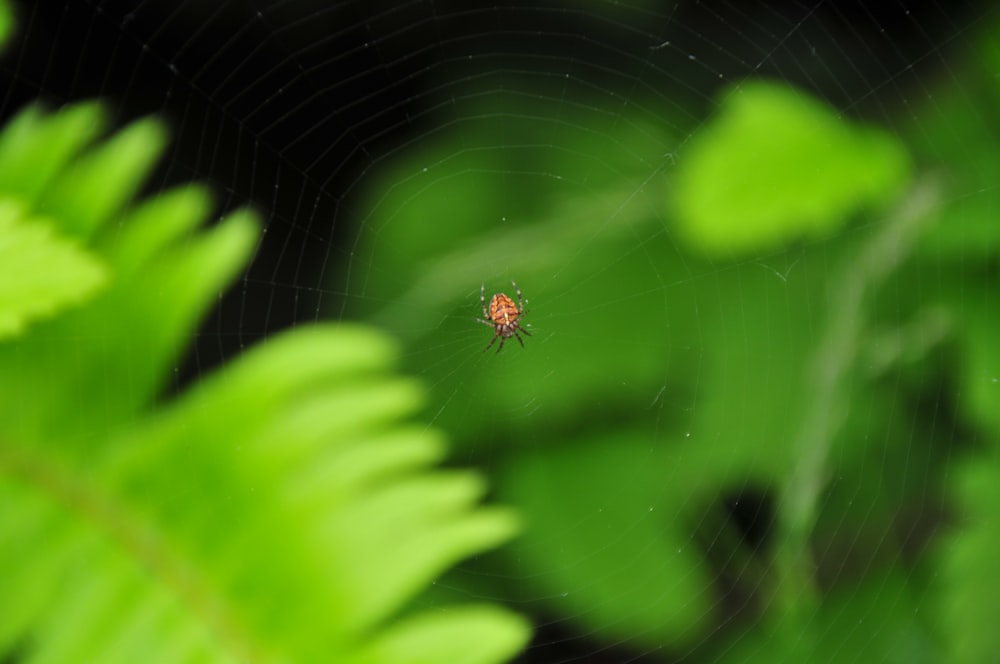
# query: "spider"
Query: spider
{"points": [[504, 316]]}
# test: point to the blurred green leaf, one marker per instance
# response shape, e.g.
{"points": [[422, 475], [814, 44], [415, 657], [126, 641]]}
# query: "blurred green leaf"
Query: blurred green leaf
{"points": [[953, 131], [70, 274], [876, 620], [969, 585], [97, 185], [36, 146], [123, 343], [478, 635], [979, 330], [755, 372], [7, 23], [776, 166], [956, 135], [502, 191], [608, 530]]}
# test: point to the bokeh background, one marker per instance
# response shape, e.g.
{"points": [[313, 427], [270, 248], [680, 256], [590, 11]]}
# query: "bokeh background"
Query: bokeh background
{"points": [[760, 404]]}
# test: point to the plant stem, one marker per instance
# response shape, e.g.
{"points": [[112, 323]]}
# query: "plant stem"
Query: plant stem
{"points": [[797, 594]]}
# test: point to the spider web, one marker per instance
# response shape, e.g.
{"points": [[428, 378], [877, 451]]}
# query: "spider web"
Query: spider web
{"points": [[405, 154]]}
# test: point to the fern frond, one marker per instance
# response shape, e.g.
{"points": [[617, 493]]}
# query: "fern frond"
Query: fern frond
{"points": [[27, 293], [278, 511]]}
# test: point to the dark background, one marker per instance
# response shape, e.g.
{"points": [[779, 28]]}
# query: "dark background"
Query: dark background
{"points": [[287, 106]]}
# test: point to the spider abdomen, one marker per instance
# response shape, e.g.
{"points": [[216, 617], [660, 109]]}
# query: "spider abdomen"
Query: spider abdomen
{"points": [[503, 311], [504, 315]]}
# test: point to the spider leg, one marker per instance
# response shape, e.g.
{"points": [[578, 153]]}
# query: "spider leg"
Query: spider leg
{"points": [[492, 341], [500, 348], [523, 331], [519, 338]]}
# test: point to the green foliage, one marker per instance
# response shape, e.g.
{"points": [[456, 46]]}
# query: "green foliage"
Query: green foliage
{"points": [[280, 510], [6, 23], [27, 292], [957, 131], [776, 166], [839, 382], [838, 369], [969, 585], [647, 578]]}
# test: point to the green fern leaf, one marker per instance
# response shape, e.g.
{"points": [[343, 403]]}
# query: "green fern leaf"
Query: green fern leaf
{"points": [[27, 292], [279, 511], [98, 183], [35, 147]]}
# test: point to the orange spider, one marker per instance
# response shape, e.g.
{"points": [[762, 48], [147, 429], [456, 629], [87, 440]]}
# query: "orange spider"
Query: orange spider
{"points": [[504, 316]]}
